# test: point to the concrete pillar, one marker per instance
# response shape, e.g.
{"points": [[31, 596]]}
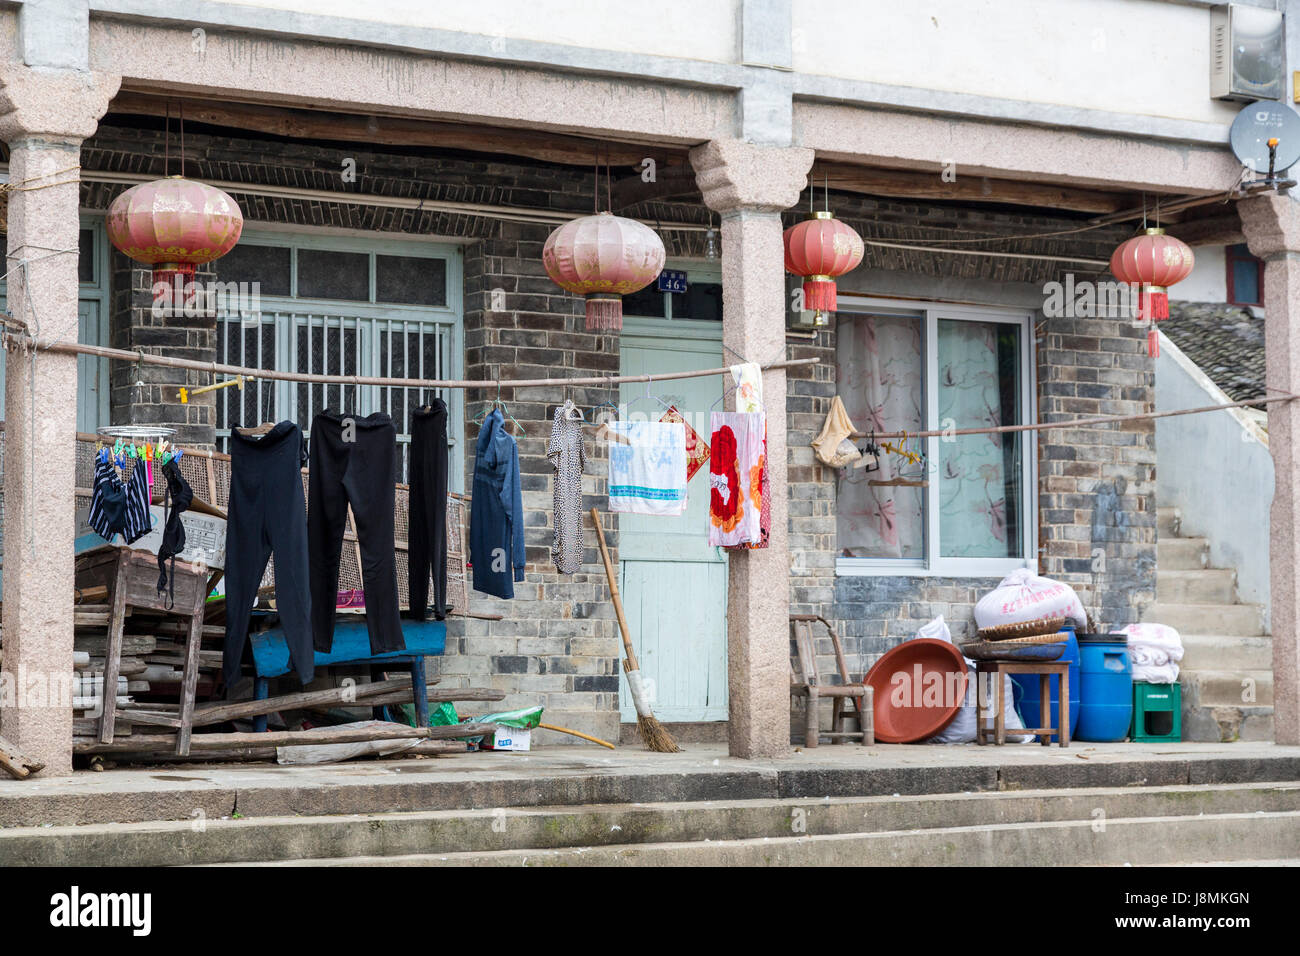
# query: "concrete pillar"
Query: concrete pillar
{"points": [[748, 186], [1272, 227], [44, 116]]}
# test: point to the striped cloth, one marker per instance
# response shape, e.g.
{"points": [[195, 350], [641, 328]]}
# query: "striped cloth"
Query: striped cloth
{"points": [[138, 519], [107, 501]]}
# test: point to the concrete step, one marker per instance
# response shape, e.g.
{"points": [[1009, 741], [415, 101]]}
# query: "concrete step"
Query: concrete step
{"points": [[1208, 586], [1214, 652], [1230, 620], [1227, 723], [1123, 841], [1168, 522], [1228, 688], [430, 835], [1182, 554]]}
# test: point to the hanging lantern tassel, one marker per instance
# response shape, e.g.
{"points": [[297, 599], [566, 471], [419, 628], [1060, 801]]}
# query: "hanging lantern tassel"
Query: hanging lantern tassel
{"points": [[604, 313], [819, 294], [1155, 303]]}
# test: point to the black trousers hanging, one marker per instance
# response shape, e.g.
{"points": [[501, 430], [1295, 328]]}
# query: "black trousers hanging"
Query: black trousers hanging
{"points": [[426, 536], [354, 462], [267, 515]]}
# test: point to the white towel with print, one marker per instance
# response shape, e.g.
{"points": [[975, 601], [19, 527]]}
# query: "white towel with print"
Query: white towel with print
{"points": [[648, 476]]}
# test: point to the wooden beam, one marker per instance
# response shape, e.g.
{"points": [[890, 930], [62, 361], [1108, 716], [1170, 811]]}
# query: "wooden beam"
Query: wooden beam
{"points": [[15, 763], [396, 131], [205, 743], [1220, 230], [908, 184], [672, 182]]}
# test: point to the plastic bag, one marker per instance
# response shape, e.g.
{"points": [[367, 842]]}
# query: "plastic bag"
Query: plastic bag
{"points": [[962, 728], [1023, 596]]}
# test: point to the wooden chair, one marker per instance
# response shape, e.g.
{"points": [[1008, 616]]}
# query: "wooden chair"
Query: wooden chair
{"points": [[845, 696]]}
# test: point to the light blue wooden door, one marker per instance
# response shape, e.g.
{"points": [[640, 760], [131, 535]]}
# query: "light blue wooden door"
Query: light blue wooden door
{"points": [[674, 585]]}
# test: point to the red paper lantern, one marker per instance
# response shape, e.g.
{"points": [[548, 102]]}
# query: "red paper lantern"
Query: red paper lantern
{"points": [[821, 249], [604, 258], [174, 225], [1154, 261]]}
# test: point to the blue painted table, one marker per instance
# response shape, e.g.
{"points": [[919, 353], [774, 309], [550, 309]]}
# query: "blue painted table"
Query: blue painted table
{"points": [[352, 646]]}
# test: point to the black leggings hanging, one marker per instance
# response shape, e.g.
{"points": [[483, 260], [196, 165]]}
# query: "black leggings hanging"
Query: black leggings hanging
{"points": [[354, 462], [267, 516], [427, 535]]}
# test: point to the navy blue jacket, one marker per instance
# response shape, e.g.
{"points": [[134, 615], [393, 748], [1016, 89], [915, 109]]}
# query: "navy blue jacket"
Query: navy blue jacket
{"points": [[496, 522]]}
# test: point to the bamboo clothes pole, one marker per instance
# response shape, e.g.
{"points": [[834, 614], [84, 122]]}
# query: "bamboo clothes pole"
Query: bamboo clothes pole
{"points": [[1077, 422], [215, 368]]}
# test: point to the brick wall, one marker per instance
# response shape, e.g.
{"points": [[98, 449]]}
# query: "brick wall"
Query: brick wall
{"points": [[134, 326]]}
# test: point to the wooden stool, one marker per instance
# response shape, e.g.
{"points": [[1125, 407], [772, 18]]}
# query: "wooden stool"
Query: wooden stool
{"points": [[1044, 670]]}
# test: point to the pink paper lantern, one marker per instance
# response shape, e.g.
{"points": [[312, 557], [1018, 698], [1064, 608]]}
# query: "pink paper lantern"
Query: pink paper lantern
{"points": [[603, 257], [174, 225]]}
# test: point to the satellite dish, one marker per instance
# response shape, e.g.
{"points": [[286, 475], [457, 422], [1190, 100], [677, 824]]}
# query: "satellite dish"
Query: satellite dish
{"points": [[1255, 126]]}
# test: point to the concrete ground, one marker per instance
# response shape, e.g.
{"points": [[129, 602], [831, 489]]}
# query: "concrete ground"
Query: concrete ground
{"points": [[575, 775]]}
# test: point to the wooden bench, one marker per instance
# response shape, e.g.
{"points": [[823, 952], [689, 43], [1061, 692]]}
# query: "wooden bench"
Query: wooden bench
{"points": [[352, 646]]}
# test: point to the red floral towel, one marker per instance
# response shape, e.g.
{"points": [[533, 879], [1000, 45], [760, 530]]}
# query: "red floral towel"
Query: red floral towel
{"points": [[736, 479]]}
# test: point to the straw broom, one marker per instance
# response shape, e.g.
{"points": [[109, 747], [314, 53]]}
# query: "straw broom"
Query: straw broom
{"points": [[647, 725]]}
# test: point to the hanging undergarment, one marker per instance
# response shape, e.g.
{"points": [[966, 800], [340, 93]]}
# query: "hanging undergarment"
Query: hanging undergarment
{"points": [[138, 519], [177, 498], [108, 501]]}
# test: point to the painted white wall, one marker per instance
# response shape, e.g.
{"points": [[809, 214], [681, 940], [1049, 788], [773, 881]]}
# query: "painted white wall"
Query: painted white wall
{"points": [[1217, 469], [1209, 279], [689, 29], [1139, 56]]}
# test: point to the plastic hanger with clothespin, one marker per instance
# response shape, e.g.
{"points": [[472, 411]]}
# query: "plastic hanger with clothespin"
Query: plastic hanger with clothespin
{"points": [[188, 393], [903, 450]]}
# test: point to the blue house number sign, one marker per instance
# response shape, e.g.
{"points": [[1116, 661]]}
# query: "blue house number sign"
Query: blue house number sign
{"points": [[671, 280]]}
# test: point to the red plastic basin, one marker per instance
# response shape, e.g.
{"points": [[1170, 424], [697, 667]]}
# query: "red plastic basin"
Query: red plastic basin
{"points": [[919, 686]]}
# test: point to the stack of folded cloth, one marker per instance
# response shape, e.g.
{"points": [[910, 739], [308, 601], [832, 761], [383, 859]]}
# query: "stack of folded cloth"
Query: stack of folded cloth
{"points": [[1154, 650]]}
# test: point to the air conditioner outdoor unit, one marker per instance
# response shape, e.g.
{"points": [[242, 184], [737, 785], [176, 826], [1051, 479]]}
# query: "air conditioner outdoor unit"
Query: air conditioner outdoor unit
{"points": [[1246, 53]]}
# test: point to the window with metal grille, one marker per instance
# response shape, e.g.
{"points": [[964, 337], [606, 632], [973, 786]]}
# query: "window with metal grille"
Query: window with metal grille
{"points": [[377, 307]]}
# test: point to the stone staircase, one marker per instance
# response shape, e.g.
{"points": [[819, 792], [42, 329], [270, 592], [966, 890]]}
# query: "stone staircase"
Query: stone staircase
{"points": [[1116, 826], [1226, 672]]}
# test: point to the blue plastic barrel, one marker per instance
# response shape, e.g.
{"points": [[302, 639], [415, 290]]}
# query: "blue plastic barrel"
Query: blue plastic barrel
{"points": [[1025, 687], [1105, 688]]}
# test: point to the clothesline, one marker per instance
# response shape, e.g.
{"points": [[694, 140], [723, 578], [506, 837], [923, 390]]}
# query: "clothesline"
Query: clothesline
{"points": [[1074, 422], [216, 368]]}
